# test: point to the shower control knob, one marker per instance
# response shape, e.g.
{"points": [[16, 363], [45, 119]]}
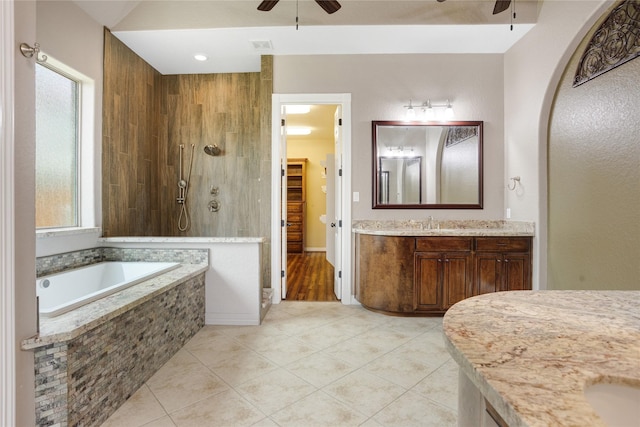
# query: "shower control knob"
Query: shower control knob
{"points": [[214, 206]]}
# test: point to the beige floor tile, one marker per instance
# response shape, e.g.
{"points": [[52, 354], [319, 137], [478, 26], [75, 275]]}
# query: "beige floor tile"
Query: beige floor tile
{"points": [[245, 367], [320, 369], [364, 392], [357, 351], [161, 422], [285, 350], [318, 409], [270, 375], [141, 408], [223, 409], [442, 385], [218, 349], [412, 409], [181, 387], [275, 390]]}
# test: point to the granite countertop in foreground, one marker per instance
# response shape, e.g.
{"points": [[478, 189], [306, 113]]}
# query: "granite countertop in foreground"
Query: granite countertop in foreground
{"points": [[532, 353], [424, 227]]}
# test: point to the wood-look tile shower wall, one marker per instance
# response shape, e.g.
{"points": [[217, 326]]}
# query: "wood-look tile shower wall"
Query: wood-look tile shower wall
{"points": [[147, 116]]}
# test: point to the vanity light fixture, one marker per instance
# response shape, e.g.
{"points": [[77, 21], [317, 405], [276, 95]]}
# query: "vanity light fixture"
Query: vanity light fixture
{"points": [[200, 57], [429, 111]]}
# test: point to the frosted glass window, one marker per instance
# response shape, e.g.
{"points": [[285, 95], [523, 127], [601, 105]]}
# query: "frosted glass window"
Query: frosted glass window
{"points": [[56, 149]]}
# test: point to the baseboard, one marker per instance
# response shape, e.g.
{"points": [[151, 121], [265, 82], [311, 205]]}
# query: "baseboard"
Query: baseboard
{"points": [[239, 319], [315, 249]]}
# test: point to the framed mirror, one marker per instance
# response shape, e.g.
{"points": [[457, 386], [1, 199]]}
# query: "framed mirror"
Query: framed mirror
{"points": [[427, 165]]}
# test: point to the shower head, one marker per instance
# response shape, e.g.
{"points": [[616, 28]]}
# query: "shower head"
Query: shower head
{"points": [[212, 150]]}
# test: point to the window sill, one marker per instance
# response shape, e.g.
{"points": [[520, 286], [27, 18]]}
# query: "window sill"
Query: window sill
{"points": [[71, 231]]}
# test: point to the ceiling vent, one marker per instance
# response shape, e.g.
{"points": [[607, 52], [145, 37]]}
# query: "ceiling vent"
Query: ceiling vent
{"points": [[262, 45]]}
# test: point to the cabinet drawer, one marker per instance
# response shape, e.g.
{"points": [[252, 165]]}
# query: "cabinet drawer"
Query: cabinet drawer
{"points": [[294, 237], [293, 227], [294, 207], [502, 244], [294, 247], [443, 244]]}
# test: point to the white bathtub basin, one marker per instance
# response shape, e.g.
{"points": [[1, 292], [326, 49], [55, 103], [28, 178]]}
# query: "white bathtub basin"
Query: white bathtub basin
{"points": [[617, 404]]}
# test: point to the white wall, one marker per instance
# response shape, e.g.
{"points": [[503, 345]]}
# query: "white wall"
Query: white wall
{"points": [[532, 70], [381, 84]]}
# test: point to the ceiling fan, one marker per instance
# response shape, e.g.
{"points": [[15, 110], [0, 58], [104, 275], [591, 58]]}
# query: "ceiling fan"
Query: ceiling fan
{"points": [[329, 6]]}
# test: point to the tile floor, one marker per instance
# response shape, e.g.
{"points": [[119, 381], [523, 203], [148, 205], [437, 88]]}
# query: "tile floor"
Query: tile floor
{"points": [[308, 364]]}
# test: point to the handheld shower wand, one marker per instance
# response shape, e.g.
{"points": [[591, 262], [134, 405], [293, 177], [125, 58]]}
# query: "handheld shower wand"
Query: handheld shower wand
{"points": [[183, 188]]}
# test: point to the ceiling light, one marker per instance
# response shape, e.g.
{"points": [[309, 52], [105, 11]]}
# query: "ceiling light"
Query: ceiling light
{"points": [[293, 130], [200, 57], [297, 109]]}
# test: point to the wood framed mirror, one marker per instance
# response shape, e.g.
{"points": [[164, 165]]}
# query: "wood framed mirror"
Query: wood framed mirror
{"points": [[427, 165]]}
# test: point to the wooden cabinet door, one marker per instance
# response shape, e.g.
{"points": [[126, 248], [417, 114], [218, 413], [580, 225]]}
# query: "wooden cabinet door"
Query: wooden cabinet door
{"points": [[488, 273], [456, 278], [516, 272], [428, 281]]}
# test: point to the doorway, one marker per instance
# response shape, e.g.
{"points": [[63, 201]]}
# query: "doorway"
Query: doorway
{"points": [[337, 165], [310, 196]]}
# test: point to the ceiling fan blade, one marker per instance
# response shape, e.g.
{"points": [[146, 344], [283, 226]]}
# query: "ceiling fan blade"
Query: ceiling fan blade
{"points": [[267, 5], [329, 6], [501, 6]]}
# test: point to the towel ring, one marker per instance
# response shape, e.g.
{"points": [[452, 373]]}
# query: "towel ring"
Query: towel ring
{"points": [[516, 181]]}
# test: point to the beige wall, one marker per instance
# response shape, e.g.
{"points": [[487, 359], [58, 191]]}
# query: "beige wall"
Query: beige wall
{"points": [[532, 69], [594, 180], [314, 151], [381, 84], [25, 290]]}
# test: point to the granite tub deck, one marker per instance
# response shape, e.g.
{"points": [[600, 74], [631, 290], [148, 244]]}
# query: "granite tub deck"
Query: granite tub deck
{"points": [[531, 354], [90, 360], [444, 228]]}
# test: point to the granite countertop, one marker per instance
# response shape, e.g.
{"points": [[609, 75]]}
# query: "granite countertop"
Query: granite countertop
{"points": [[182, 240], [423, 227], [532, 353], [73, 323]]}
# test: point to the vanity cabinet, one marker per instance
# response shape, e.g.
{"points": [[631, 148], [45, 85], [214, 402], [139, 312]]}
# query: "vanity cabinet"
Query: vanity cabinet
{"points": [[405, 275], [502, 264], [443, 272]]}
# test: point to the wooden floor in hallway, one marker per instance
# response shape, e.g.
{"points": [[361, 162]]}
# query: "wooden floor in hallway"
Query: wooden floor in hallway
{"points": [[309, 277]]}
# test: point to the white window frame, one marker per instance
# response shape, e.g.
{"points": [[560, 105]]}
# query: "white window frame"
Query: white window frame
{"points": [[86, 202]]}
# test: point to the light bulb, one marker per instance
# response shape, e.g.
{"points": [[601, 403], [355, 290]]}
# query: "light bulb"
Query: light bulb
{"points": [[448, 112], [411, 113]]}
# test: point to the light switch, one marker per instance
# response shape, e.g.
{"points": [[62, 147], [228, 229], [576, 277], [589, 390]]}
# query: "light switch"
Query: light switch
{"points": [[356, 196]]}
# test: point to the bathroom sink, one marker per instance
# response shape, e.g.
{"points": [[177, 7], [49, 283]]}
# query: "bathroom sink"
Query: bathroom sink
{"points": [[617, 404]]}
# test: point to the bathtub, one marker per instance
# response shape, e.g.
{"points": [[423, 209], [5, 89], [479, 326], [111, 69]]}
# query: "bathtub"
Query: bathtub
{"points": [[61, 292]]}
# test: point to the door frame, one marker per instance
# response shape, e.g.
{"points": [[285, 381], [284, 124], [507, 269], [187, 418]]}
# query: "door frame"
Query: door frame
{"points": [[7, 218], [277, 100]]}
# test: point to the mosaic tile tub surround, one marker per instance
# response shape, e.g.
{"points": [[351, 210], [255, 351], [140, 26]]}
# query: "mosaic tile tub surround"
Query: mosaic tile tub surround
{"points": [[90, 360]]}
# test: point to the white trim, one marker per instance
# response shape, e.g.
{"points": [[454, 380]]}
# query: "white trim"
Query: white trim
{"points": [[7, 220], [343, 99]]}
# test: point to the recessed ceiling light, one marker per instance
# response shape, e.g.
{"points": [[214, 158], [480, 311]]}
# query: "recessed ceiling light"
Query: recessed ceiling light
{"points": [[293, 130], [200, 57], [297, 109]]}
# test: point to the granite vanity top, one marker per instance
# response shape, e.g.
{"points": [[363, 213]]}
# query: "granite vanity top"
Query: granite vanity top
{"points": [[532, 353], [73, 323], [444, 228]]}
